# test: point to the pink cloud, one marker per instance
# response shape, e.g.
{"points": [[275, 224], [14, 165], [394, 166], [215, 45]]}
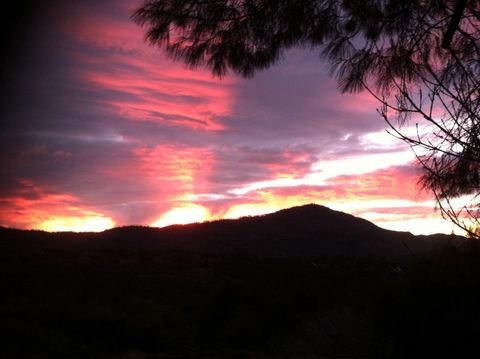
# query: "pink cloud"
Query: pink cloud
{"points": [[112, 30], [291, 163], [396, 182], [151, 88], [146, 94]]}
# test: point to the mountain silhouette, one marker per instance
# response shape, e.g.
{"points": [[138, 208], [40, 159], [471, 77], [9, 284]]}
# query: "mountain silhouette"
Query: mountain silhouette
{"points": [[309, 230], [303, 282]]}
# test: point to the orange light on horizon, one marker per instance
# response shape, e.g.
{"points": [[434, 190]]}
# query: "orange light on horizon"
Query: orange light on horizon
{"points": [[92, 223], [268, 203], [191, 213], [35, 207], [417, 225]]}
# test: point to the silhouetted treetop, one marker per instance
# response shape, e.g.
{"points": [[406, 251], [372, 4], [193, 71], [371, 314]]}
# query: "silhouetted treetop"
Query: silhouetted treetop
{"points": [[242, 35], [361, 38]]}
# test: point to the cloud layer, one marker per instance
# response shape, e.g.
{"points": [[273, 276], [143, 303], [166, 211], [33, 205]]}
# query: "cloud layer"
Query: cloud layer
{"points": [[99, 129]]}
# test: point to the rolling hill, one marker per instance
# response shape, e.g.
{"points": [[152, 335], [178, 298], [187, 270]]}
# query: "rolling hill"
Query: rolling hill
{"points": [[309, 230]]}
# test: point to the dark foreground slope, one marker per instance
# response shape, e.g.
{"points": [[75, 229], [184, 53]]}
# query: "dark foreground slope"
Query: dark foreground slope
{"points": [[286, 285]]}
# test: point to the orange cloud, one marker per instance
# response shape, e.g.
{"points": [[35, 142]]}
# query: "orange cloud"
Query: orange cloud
{"points": [[389, 197], [397, 182], [185, 167], [392, 183], [174, 174]]}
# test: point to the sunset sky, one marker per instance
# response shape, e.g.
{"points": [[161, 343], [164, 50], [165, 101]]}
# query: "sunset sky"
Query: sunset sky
{"points": [[101, 130]]}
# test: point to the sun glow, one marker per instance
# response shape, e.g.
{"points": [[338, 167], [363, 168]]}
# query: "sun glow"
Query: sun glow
{"points": [[419, 226], [268, 203], [77, 224], [182, 215]]}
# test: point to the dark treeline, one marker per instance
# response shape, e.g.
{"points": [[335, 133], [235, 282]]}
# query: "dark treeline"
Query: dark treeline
{"points": [[96, 304]]}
